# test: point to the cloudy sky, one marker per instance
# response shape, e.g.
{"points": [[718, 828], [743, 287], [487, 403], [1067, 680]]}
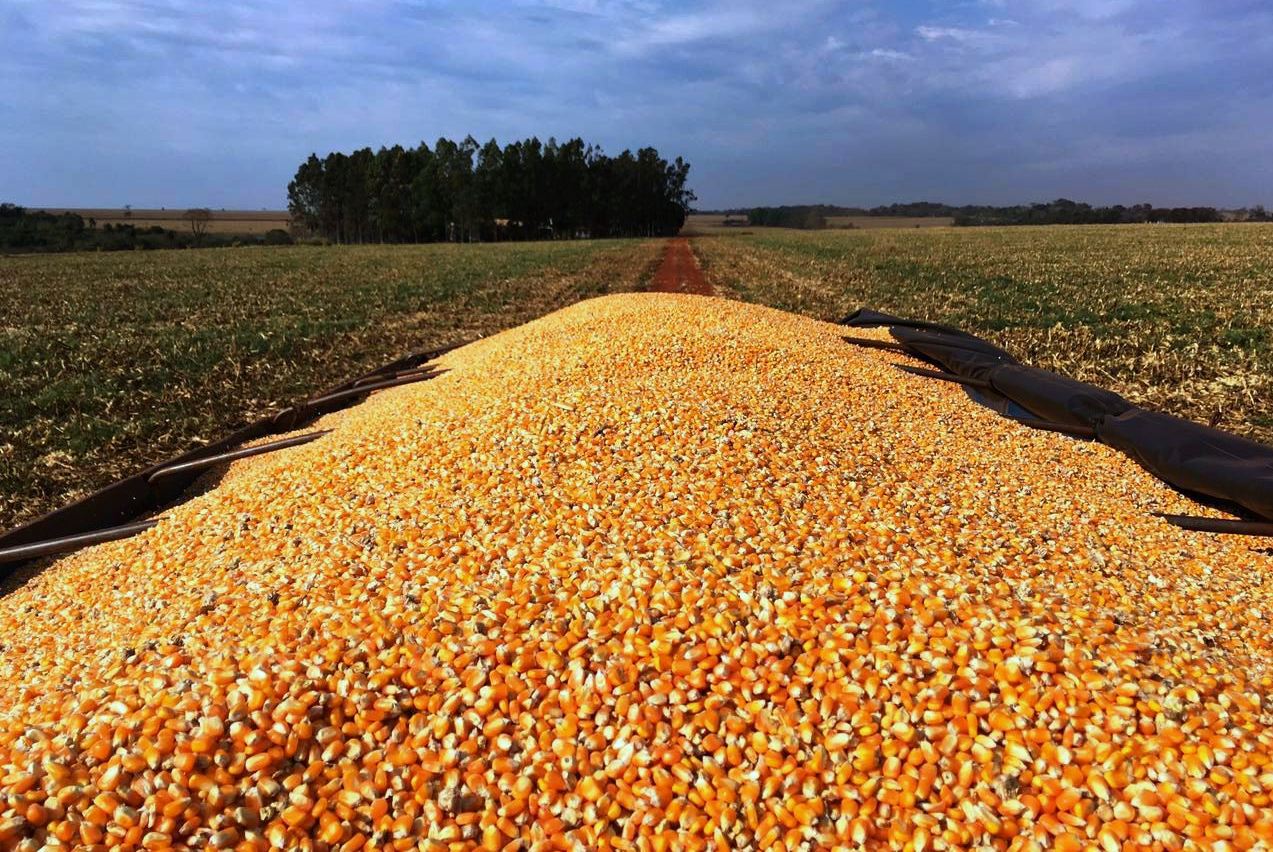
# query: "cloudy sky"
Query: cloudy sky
{"points": [[176, 103]]}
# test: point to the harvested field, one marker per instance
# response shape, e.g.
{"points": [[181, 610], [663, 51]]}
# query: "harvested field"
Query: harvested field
{"points": [[653, 571], [1174, 317], [110, 362], [245, 222]]}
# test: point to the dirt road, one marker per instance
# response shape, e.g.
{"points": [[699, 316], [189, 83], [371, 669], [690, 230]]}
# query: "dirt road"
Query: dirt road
{"points": [[680, 272]]}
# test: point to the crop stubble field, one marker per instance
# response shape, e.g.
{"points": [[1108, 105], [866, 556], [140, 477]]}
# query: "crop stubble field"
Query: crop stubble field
{"points": [[1175, 317], [109, 362]]}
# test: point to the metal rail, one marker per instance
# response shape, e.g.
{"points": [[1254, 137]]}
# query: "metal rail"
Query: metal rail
{"points": [[234, 455], [1061, 428], [868, 343], [109, 513], [945, 377], [360, 390], [25, 552], [1224, 526], [424, 372]]}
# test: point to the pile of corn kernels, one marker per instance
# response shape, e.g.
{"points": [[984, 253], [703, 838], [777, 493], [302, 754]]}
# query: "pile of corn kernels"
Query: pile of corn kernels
{"points": [[653, 572]]}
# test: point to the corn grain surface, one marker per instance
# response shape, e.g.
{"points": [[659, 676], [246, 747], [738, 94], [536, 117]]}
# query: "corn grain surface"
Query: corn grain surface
{"points": [[653, 572]]}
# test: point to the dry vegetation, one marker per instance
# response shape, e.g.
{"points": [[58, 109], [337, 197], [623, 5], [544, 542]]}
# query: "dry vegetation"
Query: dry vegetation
{"points": [[245, 222], [1176, 317], [657, 572], [112, 361]]}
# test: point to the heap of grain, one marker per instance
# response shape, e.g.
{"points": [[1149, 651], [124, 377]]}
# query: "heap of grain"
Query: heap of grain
{"points": [[653, 572]]}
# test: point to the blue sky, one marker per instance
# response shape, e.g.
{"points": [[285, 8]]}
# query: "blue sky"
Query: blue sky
{"points": [[175, 103]]}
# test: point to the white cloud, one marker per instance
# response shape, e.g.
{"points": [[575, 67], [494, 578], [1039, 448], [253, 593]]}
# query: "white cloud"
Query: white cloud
{"points": [[737, 86], [1052, 75], [884, 54], [955, 34]]}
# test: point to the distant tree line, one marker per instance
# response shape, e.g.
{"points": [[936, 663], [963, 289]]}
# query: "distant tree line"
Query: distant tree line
{"points": [[23, 229], [815, 216], [1066, 212], [466, 191], [1060, 212], [37, 231], [808, 217]]}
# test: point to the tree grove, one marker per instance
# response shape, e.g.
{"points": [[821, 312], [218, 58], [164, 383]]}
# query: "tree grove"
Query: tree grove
{"points": [[465, 191]]}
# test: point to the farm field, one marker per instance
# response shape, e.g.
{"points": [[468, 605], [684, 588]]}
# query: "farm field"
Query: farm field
{"points": [[245, 222], [109, 362], [1176, 317], [696, 537]]}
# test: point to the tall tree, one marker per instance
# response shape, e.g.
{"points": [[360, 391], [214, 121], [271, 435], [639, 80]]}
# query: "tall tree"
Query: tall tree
{"points": [[198, 218]]}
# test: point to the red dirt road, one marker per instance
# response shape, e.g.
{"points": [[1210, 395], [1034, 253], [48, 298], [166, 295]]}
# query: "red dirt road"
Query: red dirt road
{"points": [[679, 272]]}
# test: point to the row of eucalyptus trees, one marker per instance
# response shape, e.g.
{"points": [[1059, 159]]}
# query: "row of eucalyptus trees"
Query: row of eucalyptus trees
{"points": [[466, 191]]}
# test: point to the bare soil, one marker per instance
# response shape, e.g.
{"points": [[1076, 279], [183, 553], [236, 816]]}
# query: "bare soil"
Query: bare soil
{"points": [[679, 272]]}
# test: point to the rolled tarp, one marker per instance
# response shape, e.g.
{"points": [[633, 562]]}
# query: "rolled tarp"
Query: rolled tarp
{"points": [[965, 356], [1195, 458], [1056, 398], [1035, 392], [867, 318], [1199, 460], [922, 329], [958, 350], [1046, 395]]}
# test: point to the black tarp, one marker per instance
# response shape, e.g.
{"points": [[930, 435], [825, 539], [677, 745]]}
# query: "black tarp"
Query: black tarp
{"points": [[966, 357], [1056, 398], [867, 318], [951, 349], [1196, 459]]}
